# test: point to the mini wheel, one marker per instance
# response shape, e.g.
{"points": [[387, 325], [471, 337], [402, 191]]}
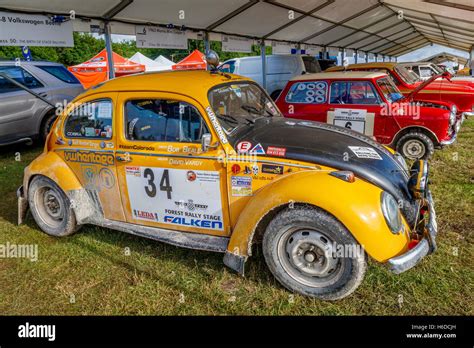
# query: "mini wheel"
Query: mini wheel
{"points": [[50, 207], [415, 145], [300, 245]]}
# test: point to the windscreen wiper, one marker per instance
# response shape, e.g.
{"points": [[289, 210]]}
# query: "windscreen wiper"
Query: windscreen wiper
{"points": [[227, 118]]}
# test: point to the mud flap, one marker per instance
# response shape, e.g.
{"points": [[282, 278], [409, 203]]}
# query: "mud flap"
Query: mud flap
{"points": [[235, 262], [22, 205]]}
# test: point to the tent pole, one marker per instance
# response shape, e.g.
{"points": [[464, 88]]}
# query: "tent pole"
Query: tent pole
{"points": [[264, 64], [356, 56], [108, 47], [471, 61], [206, 43]]}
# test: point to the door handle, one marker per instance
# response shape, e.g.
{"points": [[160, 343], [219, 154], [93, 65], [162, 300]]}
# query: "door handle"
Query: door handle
{"points": [[124, 158]]}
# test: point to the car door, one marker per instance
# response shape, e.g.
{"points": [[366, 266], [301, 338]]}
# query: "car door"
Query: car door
{"points": [[87, 146], [355, 104], [165, 178], [18, 106]]}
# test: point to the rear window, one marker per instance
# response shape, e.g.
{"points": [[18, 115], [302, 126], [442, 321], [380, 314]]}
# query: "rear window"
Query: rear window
{"points": [[60, 73], [228, 67], [308, 93]]}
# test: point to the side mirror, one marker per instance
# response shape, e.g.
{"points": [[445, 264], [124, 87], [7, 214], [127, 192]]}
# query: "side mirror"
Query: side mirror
{"points": [[206, 142]]}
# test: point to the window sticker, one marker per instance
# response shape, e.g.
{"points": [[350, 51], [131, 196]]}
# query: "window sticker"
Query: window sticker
{"points": [[365, 152]]}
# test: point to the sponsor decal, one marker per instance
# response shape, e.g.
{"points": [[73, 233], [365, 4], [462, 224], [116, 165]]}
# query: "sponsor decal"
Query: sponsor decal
{"points": [[192, 222], [241, 186], [145, 215], [191, 176], [247, 170], [190, 205], [135, 171], [104, 159], [257, 150], [137, 147], [79, 142], [272, 169], [89, 173], [255, 169], [244, 147], [106, 178], [276, 151], [74, 134], [365, 152], [217, 126]]}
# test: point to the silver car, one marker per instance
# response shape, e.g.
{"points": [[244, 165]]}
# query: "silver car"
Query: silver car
{"points": [[27, 107]]}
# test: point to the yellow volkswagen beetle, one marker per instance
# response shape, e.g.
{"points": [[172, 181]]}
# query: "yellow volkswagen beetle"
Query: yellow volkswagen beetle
{"points": [[205, 160]]}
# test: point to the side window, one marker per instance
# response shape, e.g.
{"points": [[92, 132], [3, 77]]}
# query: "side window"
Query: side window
{"points": [[163, 120], [308, 93], [354, 92], [19, 75], [92, 120]]}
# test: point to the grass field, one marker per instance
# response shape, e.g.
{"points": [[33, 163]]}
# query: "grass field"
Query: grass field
{"points": [[92, 272]]}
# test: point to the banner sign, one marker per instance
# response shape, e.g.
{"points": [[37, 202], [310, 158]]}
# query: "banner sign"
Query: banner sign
{"points": [[156, 37], [236, 44], [282, 48], [17, 29], [313, 50]]}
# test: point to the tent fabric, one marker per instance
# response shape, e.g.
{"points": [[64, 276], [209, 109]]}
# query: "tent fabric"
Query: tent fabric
{"points": [[95, 70], [383, 27], [195, 61], [164, 61], [150, 64]]}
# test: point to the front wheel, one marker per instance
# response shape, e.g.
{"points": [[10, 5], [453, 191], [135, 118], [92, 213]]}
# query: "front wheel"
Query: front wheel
{"points": [[304, 249], [415, 145], [50, 207]]}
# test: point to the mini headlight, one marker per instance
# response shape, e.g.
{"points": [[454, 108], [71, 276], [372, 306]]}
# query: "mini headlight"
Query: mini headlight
{"points": [[391, 212], [452, 115]]}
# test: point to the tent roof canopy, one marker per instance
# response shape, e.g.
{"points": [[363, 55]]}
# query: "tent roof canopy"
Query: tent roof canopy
{"points": [[445, 57], [386, 27]]}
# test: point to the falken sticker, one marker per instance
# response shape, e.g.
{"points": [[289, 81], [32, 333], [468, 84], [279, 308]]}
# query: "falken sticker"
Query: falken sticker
{"points": [[217, 126], [241, 186], [257, 150], [244, 146], [272, 169], [276, 151], [365, 152]]}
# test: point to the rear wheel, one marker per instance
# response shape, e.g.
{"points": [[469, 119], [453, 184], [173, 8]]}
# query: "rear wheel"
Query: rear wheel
{"points": [[415, 145], [50, 207], [46, 125], [301, 246]]}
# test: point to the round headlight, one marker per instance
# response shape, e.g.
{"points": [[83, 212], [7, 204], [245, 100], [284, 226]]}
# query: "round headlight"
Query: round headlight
{"points": [[452, 115], [391, 212]]}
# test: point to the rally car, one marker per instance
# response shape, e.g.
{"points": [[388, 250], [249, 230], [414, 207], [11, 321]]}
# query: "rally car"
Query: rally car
{"points": [[370, 103], [462, 95], [205, 160]]}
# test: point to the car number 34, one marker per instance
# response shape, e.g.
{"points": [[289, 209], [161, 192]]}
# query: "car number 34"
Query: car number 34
{"points": [[164, 183]]}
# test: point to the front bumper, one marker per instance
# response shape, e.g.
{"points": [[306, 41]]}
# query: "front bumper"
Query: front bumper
{"points": [[453, 138], [425, 247], [467, 114]]}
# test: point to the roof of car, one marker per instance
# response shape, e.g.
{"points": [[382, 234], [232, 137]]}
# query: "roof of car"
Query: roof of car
{"points": [[380, 65], [188, 82], [340, 75], [26, 62]]}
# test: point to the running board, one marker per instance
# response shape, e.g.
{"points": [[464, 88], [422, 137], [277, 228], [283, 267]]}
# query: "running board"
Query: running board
{"points": [[181, 239]]}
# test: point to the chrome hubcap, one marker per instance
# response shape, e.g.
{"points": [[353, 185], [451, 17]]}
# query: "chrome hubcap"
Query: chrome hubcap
{"points": [[414, 149]]}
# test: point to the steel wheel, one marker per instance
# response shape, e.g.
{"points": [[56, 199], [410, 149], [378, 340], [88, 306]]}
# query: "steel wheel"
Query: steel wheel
{"points": [[414, 149], [307, 256]]}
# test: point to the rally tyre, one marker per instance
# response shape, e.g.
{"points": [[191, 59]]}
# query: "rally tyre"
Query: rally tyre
{"points": [[293, 247], [50, 208], [46, 125], [415, 145]]}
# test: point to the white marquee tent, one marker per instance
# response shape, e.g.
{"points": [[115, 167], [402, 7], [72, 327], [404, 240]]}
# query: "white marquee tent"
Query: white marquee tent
{"points": [[150, 64]]}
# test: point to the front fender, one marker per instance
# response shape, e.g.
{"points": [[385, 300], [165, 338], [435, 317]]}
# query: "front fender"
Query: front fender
{"points": [[357, 205]]}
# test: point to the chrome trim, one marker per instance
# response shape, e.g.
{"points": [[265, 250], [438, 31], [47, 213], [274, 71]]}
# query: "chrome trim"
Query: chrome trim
{"points": [[450, 141], [468, 114], [425, 247]]}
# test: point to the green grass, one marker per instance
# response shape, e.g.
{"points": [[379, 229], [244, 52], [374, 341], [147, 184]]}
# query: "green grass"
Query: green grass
{"points": [[158, 279]]}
